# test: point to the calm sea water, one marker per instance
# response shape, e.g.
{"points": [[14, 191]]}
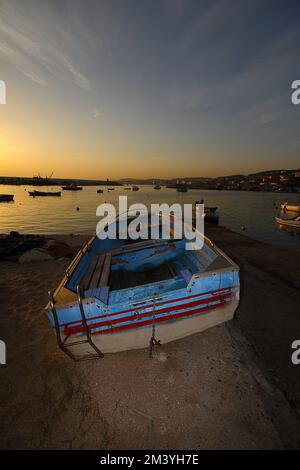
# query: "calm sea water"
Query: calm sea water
{"points": [[253, 210]]}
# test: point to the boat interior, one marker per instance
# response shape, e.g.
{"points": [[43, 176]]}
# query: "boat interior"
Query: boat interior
{"points": [[128, 270]]}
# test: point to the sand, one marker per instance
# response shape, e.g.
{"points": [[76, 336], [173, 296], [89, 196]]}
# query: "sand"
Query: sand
{"points": [[215, 390]]}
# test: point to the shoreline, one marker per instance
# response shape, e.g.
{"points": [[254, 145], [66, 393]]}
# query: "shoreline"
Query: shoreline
{"points": [[231, 386], [166, 186]]}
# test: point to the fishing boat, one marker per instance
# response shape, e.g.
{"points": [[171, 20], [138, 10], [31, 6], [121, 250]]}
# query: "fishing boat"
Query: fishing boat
{"points": [[135, 188], [72, 187], [157, 186], [128, 188], [6, 197], [210, 213], [44, 193], [182, 188], [121, 294], [290, 207], [210, 210], [293, 222], [99, 191]]}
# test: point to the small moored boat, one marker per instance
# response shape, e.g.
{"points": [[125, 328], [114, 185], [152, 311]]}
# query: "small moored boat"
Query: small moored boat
{"points": [[210, 213], [119, 295], [6, 197], [290, 207], [44, 193], [99, 191], [135, 188], [182, 188], [293, 223], [72, 187], [157, 186]]}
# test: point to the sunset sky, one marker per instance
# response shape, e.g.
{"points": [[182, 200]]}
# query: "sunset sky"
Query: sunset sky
{"points": [[140, 88]]}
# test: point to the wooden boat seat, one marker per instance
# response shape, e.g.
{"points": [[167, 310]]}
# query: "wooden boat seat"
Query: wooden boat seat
{"points": [[138, 246], [97, 274]]}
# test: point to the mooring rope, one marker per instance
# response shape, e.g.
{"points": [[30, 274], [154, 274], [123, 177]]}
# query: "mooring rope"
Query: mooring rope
{"points": [[153, 340]]}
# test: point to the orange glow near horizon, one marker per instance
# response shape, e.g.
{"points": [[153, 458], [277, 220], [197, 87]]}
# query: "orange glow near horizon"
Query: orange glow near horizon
{"points": [[86, 99]]}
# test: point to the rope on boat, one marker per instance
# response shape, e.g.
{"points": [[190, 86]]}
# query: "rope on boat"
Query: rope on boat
{"points": [[153, 340]]}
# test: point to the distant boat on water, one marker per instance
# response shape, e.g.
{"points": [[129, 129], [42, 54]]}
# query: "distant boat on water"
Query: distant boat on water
{"points": [[293, 223], [182, 188], [72, 187], [157, 186], [6, 197], [290, 207], [99, 191], [210, 213], [135, 188], [44, 193]]}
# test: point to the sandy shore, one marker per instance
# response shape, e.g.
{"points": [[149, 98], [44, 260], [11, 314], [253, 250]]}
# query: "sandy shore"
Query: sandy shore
{"points": [[230, 387]]}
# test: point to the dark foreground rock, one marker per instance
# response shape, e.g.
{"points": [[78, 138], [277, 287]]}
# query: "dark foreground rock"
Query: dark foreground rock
{"points": [[14, 244]]}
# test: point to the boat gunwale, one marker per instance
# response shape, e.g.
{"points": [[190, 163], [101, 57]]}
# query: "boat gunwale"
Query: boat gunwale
{"points": [[75, 262], [230, 291]]}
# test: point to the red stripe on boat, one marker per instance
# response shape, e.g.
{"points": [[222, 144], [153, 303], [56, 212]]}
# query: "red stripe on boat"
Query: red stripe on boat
{"points": [[161, 319], [110, 323], [142, 307]]}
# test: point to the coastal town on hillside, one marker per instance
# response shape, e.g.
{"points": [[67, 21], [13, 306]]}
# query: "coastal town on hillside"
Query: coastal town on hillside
{"points": [[285, 181]]}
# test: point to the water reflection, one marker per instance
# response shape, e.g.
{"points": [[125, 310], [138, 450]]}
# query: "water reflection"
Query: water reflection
{"points": [[252, 213]]}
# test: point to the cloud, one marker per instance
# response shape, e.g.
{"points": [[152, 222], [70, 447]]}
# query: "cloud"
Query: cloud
{"points": [[97, 113], [188, 98], [175, 9], [34, 40], [251, 83], [219, 16], [264, 112]]}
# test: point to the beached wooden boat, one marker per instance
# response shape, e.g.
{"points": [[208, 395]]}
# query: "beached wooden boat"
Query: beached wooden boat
{"points": [[120, 295], [290, 207], [44, 193], [72, 187], [293, 223], [6, 197]]}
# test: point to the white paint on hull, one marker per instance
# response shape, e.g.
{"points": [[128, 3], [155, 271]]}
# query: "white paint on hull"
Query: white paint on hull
{"points": [[139, 338]]}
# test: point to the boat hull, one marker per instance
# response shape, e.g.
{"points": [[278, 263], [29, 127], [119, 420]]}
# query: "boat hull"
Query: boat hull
{"points": [[44, 194], [288, 223], [186, 299], [67, 188], [6, 197], [139, 338], [291, 208]]}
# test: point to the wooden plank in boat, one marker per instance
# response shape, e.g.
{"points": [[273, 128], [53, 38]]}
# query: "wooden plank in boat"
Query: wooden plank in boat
{"points": [[87, 277], [106, 271], [138, 246], [97, 272]]}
